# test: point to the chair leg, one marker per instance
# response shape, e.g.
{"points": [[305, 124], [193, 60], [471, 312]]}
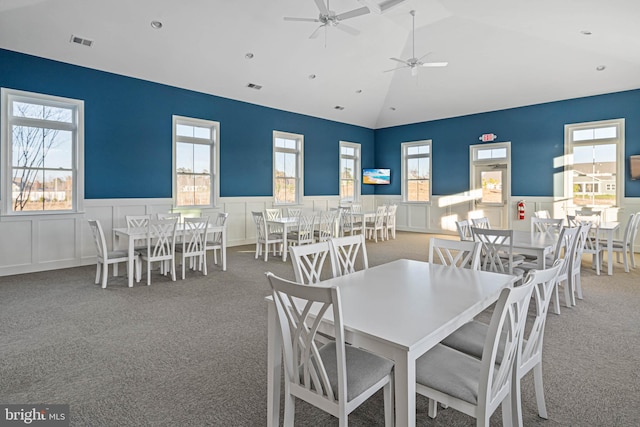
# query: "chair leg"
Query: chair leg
{"points": [[433, 408], [105, 273], [537, 379], [203, 264], [258, 246], [149, 273], [578, 288], [626, 261], [183, 266], [568, 292], [173, 269], [115, 269], [98, 263], [556, 302]]}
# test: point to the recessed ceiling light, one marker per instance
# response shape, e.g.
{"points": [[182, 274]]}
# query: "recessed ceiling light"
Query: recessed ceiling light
{"points": [[359, 91], [156, 25], [339, 107], [586, 32], [248, 55], [392, 108], [312, 76], [600, 67]]}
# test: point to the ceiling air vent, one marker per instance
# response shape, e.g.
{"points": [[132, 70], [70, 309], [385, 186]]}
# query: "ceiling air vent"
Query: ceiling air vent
{"points": [[254, 86], [339, 107], [81, 41]]}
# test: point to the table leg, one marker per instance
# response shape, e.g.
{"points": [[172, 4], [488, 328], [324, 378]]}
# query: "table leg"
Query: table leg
{"points": [[224, 249], [274, 360], [284, 242], [405, 390], [610, 252]]}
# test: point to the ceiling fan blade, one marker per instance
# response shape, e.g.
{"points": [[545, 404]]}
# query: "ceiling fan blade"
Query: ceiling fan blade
{"points": [[322, 7], [397, 68], [435, 64], [424, 56], [287, 18], [381, 7], [316, 32], [347, 29], [400, 60], [353, 13]]}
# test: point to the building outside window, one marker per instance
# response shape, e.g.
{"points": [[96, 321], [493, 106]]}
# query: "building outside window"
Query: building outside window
{"points": [[196, 151], [594, 163], [42, 153], [287, 168], [416, 171], [349, 172]]}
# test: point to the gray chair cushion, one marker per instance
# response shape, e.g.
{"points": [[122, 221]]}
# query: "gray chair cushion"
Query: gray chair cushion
{"points": [[447, 370], [469, 339], [364, 369]]}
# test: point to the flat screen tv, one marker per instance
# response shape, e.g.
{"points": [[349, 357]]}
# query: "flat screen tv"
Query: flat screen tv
{"points": [[376, 176], [634, 167]]}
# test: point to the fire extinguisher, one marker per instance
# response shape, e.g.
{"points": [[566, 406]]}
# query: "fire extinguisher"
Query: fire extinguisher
{"points": [[521, 209]]}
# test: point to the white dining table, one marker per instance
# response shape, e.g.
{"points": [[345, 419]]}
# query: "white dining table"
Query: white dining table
{"points": [[135, 233], [398, 310], [534, 243]]}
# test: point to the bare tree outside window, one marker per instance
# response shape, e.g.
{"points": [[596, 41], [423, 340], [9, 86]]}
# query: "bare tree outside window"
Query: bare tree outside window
{"points": [[41, 157]]}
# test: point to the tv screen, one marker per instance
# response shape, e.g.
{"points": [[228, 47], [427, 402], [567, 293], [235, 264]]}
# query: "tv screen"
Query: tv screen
{"points": [[634, 167], [376, 176]]}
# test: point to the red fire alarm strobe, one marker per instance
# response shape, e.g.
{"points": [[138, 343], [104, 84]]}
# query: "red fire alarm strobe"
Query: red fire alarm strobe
{"points": [[488, 137]]}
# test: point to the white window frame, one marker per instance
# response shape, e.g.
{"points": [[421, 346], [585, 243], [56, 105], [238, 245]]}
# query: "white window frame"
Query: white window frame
{"points": [[405, 173], [356, 172], [619, 140], [299, 152], [214, 142], [76, 127]]}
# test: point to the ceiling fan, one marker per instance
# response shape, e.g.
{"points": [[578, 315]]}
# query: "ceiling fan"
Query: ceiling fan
{"points": [[328, 18], [414, 62]]}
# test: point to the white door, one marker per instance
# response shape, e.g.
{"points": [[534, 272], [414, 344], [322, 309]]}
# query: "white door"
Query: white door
{"points": [[490, 182]]}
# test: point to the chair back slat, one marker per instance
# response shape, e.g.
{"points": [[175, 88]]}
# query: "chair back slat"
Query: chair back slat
{"points": [[308, 262], [547, 226], [345, 251], [98, 238], [161, 238], [496, 244], [455, 253]]}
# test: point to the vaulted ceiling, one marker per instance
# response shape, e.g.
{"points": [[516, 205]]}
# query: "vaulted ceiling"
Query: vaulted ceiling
{"points": [[500, 53]]}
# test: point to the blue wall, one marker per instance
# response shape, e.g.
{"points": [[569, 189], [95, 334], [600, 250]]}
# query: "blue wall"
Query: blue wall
{"points": [[536, 134], [128, 132], [128, 135]]}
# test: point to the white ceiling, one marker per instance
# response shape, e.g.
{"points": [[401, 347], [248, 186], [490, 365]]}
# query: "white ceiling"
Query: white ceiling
{"points": [[501, 53]]}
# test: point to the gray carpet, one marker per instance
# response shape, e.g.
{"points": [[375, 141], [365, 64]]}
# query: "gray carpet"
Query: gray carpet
{"points": [[193, 352]]}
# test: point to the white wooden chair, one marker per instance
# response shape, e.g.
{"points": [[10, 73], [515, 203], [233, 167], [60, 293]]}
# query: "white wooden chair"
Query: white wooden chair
{"points": [[348, 224], [265, 238], [470, 338], [335, 377], [161, 243], [464, 230], [376, 226], [303, 234], [169, 215], [455, 253], [345, 251], [106, 257], [562, 254], [550, 227], [542, 214], [592, 242], [575, 266], [497, 251], [273, 213], [390, 222], [482, 222], [473, 386], [138, 221], [193, 246], [294, 212], [308, 262], [326, 226], [625, 246], [214, 238]]}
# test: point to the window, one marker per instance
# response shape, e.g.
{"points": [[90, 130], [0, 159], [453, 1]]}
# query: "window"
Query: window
{"points": [[42, 153], [416, 171], [349, 172], [287, 168], [594, 169], [196, 151]]}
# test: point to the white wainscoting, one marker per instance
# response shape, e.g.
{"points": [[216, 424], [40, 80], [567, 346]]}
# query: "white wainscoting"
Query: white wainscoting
{"points": [[33, 243]]}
